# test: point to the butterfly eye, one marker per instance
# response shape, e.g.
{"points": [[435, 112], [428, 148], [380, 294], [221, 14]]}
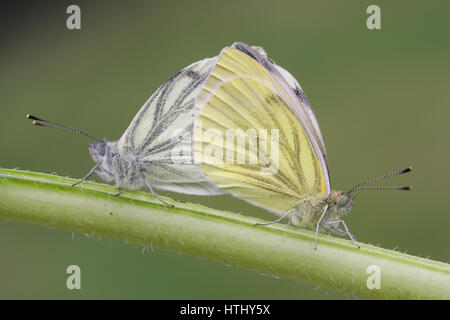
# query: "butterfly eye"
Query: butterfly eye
{"points": [[340, 202], [101, 150], [343, 200], [98, 148]]}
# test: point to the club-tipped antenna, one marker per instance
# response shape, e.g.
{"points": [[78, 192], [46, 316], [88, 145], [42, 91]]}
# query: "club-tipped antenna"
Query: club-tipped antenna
{"points": [[50, 124], [359, 185], [382, 188]]}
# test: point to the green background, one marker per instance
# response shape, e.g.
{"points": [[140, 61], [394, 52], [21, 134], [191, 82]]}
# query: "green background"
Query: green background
{"points": [[381, 97]]}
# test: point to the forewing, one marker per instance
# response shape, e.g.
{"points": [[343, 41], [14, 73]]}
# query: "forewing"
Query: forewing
{"points": [[241, 97], [297, 102]]}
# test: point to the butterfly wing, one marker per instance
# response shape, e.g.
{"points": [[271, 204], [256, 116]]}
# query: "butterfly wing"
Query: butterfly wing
{"points": [[303, 104], [242, 97], [160, 135], [300, 105]]}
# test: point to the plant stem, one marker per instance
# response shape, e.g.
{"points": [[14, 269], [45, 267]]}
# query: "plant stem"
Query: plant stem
{"points": [[279, 250]]}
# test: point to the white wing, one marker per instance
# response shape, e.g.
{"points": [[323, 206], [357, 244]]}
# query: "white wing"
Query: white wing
{"points": [[160, 135]]}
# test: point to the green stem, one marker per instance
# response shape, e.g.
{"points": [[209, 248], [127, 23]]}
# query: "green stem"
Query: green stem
{"points": [[279, 250]]}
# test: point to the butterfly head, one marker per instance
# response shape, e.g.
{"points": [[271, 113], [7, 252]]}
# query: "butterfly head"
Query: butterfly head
{"points": [[340, 203], [104, 154], [99, 150]]}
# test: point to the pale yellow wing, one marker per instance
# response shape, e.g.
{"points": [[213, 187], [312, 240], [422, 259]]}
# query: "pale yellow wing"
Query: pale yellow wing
{"points": [[276, 166]]}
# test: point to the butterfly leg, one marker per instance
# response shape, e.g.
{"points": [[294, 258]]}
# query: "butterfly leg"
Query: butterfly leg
{"points": [[87, 176], [346, 231], [275, 221], [155, 195], [120, 193], [322, 214]]}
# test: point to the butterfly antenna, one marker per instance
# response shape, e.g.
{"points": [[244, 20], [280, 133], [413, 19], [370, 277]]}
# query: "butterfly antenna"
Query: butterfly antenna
{"points": [[382, 188], [359, 186], [50, 124]]}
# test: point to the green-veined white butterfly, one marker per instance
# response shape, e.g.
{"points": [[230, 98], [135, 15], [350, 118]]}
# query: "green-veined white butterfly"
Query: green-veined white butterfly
{"points": [[248, 94], [155, 150]]}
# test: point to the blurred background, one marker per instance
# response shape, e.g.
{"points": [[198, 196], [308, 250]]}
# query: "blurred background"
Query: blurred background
{"points": [[381, 97]]}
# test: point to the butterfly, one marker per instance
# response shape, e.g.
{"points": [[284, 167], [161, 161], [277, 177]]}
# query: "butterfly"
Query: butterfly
{"points": [[179, 139], [155, 149], [257, 138]]}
